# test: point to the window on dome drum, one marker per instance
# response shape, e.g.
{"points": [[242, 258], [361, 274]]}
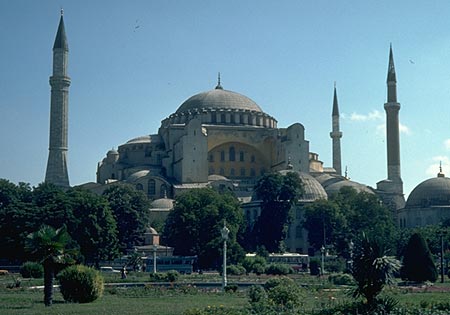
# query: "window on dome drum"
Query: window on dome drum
{"points": [[232, 118], [151, 187], [232, 154], [232, 172], [223, 118], [163, 190], [222, 156], [213, 117], [241, 156], [139, 187]]}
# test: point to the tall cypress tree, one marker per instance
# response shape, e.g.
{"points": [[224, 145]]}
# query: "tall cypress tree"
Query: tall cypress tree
{"points": [[418, 264]]}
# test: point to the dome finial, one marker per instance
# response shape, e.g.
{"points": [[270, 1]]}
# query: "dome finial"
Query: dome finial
{"points": [[440, 174], [218, 87], [346, 173]]}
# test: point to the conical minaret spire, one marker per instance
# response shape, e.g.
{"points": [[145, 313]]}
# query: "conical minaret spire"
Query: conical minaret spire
{"points": [[57, 159], [336, 135], [392, 108]]}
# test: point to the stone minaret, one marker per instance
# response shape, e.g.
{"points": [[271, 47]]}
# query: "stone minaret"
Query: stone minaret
{"points": [[336, 135], [392, 107], [57, 158], [391, 189]]}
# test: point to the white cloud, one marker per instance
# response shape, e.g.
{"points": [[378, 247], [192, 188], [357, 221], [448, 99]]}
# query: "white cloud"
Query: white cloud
{"points": [[373, 115], [381, 129], [404, 129], [433, 168], [447, 144]]}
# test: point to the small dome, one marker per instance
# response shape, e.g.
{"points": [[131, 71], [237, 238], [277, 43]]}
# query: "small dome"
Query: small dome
{"points": [[313, 190], [112, 152], [162, 203], [334, 188], [431, 192], [218, 99], [135, 176], [150, 230]]}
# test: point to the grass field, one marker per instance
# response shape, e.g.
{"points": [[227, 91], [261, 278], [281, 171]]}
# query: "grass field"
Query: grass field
{"points": [[164, 301]]}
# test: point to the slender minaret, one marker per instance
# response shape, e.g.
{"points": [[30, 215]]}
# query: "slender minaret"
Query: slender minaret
{"points": [[336, 135], [57, 158], [392, 107]]}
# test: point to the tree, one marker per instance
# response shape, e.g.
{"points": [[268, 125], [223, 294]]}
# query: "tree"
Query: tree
{"points": [[278, 194], [325, 222], [418, 263], [372, 269], [93, 226], [131, 211], [193, 226], [50, 246]]}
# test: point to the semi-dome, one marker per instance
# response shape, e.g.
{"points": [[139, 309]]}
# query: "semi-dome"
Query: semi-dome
{"points": [[431, 192], [313, 190], [218, 99], [162, 203], [335, 187]]}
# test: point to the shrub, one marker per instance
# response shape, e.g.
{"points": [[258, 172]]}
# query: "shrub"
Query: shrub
{"points": [[418, 262], [335, 265], [32, 270], [286, 295], [231, 288], [80, 284], [341, 279], [236, 270], [273, 282], [256, 294], [258, 268], [256, 264], [278, 269], [172, 275]]}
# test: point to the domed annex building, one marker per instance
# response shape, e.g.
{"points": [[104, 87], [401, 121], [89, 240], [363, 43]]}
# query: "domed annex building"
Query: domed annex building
{"points": [[428, 203], [224, 140]]}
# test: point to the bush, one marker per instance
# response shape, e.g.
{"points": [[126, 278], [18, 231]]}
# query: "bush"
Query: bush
{"points": [[256, 264], [231, 288], [288, 296], [341, 279], [80, 284], [32, 270], [335, 265], [236, 270], [172, 275], [273, 282], [279, 269], [256, 294], [169, 276]]}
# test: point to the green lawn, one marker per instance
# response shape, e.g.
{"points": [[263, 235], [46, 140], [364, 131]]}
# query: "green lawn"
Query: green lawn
{"points": [[27, 302]]}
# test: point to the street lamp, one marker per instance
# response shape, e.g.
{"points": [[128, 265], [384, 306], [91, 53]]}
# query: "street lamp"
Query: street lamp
{"points": [[155, 249], [224, 231], [322, 251]]}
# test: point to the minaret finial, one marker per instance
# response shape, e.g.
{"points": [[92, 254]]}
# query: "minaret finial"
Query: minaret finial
{"points": [[62, 11], [218, 87]]}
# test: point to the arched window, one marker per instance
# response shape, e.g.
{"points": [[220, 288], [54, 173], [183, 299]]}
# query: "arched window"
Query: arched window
{"points": [[252, 159], [211, 171], [213, 117], [222, 156], [139, 187], [223, 118], [232, 172], [151, 187], [211, 157], [232, 154], [222, 172], [242, 171], [241, 156]]}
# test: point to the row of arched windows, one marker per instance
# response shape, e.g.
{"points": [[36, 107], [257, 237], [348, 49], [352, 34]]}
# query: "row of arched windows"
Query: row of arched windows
{"points": [[232, 156], [151, 188]]}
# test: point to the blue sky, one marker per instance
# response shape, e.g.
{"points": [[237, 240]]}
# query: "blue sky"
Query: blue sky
{"points": [[132, 63]]}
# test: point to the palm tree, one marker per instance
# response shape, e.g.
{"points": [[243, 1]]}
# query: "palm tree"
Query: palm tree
{"points": [[372, 269], [49, 245]]}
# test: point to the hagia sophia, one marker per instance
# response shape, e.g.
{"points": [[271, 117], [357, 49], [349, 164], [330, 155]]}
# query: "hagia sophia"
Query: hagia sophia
{"points": [[224, 140]]}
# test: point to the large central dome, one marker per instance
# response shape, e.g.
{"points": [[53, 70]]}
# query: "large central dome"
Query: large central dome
{"points": [[218, 99]]}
